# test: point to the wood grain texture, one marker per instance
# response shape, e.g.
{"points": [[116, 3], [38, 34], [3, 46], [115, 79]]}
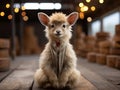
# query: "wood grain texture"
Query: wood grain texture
{"points": [[103, 77], [83, 85], [22, 77], [94, 76], [4, 64]]}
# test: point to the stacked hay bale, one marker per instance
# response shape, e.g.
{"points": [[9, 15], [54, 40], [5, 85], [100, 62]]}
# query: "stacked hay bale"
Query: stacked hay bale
{"points": [[83, 43], [89, 42], [30, 42], [100, 37], [116, 42], [102, 47], [113, 60], [4, 54], [82, 52], [104, 50], [99, 51], [79, 43]]}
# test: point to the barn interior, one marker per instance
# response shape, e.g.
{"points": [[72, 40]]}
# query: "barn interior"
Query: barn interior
{"points": [[95, 39]]}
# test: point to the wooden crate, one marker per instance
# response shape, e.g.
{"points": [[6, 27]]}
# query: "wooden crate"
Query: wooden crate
{"points": [[111, 60], [102, 34], [101, 59], [4, 43], [4, 64], [116, 38], [91, 57], [96, 49], [4, 53], [105, 44], [104, 50], [116, 44], [115, 51]]}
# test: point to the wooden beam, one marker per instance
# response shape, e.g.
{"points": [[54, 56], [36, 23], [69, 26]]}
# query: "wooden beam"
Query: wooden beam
{"points": [[13, 32], [21, 31]]}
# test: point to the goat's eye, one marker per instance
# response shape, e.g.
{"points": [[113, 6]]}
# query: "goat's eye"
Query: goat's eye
{"points": [[52, 26], [64, 26]]}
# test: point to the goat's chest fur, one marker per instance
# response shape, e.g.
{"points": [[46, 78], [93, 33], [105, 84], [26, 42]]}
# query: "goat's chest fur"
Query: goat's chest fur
{"points": [[58, 56]]}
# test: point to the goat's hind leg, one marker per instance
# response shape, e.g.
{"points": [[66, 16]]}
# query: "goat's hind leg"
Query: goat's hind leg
{"points": [[41, 79], [73, 79]]}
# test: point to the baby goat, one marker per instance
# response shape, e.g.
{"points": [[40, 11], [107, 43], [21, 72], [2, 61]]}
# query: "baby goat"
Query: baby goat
{"points": [[58, 60]]}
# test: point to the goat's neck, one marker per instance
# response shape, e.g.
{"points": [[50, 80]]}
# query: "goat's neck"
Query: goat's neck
{"points": [[59, 43]]}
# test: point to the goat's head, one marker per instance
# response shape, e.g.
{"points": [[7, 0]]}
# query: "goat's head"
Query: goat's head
{"points": [[58, 25]]}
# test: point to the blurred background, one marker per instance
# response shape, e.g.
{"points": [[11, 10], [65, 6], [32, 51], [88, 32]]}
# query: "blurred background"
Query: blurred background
{"points": [[20, 27], [96, 41]]}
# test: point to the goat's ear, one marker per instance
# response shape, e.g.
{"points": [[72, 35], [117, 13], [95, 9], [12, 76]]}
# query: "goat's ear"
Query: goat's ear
{"points": [[44, 18], [72, 18]]}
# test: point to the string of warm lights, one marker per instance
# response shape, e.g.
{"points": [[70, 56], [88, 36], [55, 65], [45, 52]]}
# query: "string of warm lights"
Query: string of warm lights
{"points": [[17, 7], [16, 10], [84, 8], [31, 6]]}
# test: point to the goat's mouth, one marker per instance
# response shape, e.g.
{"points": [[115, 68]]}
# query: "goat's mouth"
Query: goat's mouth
{"points": [[58, 34]]}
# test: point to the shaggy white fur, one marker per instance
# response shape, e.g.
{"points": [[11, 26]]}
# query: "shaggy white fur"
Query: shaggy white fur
{"points": [[57, 66]]}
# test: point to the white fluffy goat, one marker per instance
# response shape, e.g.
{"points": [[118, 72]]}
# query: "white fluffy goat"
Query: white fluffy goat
{"points": [[57, 67]]}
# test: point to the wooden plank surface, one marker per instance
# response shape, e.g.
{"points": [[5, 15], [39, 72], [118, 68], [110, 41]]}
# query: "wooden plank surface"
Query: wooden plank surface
{"points": [[98, 75], [84, 85], [94, 76], [13, 66], [22, 77]]}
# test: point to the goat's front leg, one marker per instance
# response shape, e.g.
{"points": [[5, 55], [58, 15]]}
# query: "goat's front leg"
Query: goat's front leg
{"points": [[63, 79], [74, 79], [51, 76]]}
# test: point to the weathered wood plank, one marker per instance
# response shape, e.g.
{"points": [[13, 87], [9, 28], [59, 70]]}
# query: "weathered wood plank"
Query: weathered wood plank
{"points": [[96, 76], [100, 82], [13, 66], [112, 75], [84, 85], [22, 77]]}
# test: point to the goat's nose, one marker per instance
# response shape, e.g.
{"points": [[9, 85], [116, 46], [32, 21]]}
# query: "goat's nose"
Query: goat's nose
{"points": [[58, 32]]}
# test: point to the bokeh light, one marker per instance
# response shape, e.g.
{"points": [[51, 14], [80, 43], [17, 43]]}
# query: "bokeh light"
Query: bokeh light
{"points": [[7, 5], [81, 15], [23, 14], [89, 19], [93, 8], [2, 14], [10, 17], [16, 10], [25, 18], [101, 1], [88, 1], [84, 8], [81, 4]]}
